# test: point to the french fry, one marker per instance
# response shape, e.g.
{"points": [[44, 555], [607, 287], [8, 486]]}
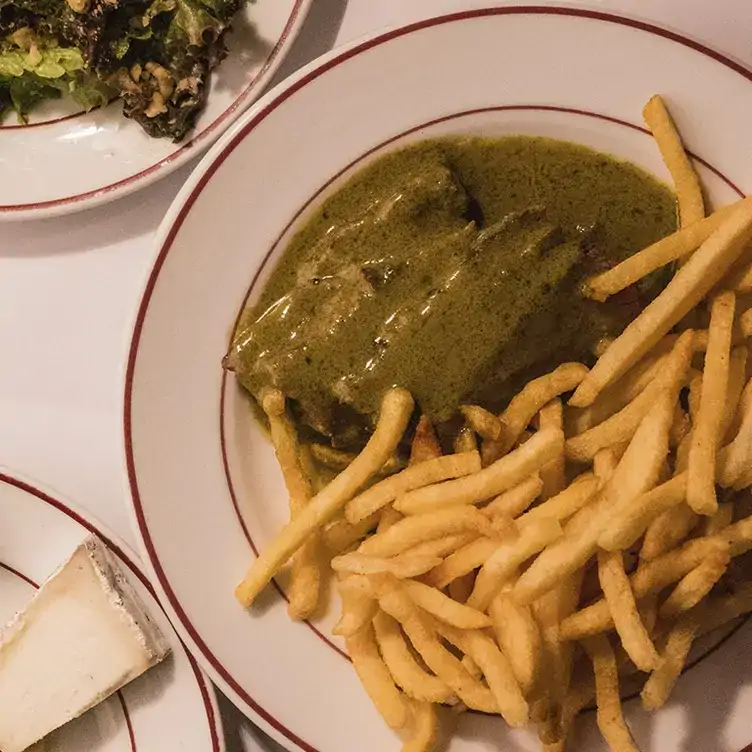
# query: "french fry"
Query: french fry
{"points": [[549, 706], [689, 286], [421, 633], [716, 611], [565, 504], [682, 455], [649, 614], [442, 546], [524, 406], [414, 530], [736, 457], [305, 576], [604, 464], [655, 575], [472, 667], [504, 474], [680, 427], [359, 584], [686, 180], [425, 445], [621, 602], [444, 608], [636, 472], [556, 562], [557, 658], [337, 460], [416, 476], [403, 566], [409, 676], [745, 481], [667, 531], [640, 466], [376, 679], [744, 328], [739, 278], [553, 473], [696, 585], [602, 345], [462, 561], [671, 248], [622, 426], [661, 682], [706, 432], [396, 408], [736, 380], [609, 713], [387, 518], [340, 535], [519, 638], [515, 501], [496, 669], [624, 530], [465, 441], [483, 422], [426, 731], [695, 394], [720, 520], [619, 394], [358, 610], [502, 565], [331, 458], [580, 693]]}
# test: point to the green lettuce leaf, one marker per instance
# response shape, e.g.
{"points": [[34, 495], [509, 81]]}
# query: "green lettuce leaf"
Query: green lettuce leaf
{"points": [[193, 25], [48, 63], [5, 103], [89, 92], [27, 91]]}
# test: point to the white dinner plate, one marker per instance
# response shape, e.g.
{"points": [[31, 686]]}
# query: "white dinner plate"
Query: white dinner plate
{"points": [[171, 707], [64, 161], [206, 488]]}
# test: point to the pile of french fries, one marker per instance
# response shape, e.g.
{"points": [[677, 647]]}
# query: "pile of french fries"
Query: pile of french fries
{"points": [[587, 535]]}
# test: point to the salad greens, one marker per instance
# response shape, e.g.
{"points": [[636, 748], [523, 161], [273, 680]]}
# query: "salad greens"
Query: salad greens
{"points": [[154, 55]]}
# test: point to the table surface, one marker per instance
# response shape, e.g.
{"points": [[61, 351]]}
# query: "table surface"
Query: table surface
{"points": [[69, 287]]}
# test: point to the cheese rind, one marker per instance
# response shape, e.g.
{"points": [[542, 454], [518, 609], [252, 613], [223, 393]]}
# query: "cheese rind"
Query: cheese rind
{"points": [[84, 635]]}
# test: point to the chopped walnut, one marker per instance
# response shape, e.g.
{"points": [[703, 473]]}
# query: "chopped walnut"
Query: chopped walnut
{"points": [[156, 107], [121, 79], [35, 56], [164, 79], [78, 6], [25, 38], [190, 84]]}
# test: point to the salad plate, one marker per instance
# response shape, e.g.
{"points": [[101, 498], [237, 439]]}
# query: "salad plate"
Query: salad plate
{"points": [[60, 158]]}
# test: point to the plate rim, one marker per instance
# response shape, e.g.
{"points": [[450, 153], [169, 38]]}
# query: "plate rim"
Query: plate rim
{"points": [[123, 551], [187, 150], [170, 226]]}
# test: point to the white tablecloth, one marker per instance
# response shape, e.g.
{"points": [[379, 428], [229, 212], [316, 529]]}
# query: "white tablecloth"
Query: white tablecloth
{"points": [[69, 287]]}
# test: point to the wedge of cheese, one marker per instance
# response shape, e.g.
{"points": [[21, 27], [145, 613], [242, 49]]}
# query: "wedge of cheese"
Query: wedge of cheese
{"points": [[84, 635]]}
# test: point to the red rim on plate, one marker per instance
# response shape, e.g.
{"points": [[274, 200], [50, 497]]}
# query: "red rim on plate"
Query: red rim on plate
{"points": [[128, 184], [217, 736], [162, 580]]}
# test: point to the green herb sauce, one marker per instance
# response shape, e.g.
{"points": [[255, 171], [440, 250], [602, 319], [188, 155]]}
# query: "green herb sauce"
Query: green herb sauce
{"points": [[451, 268]]}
